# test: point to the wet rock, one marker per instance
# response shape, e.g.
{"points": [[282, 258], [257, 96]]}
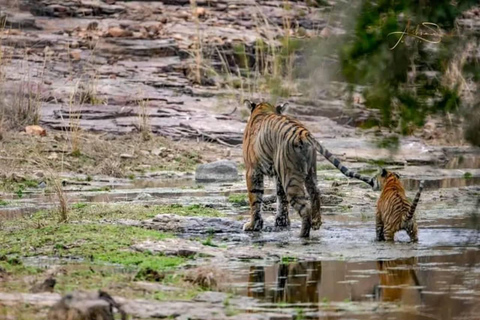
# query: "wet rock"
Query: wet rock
{"points": [[196, 225], [224, 170], [155, 287], [211, 296], [177, 247], [85, 305], [143, 196], [46, 286]]}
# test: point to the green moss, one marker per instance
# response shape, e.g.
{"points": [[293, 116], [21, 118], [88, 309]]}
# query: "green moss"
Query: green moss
{"points": [[240, 199], [3, 203], [191, 210], [391, 143], [94, 242], [325, 167], [288, 259], [467, 175], [79, 205]]}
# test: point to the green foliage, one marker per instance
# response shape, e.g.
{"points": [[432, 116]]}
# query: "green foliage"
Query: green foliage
{"points": [[381, 57], [467, 175], [3, 203]]}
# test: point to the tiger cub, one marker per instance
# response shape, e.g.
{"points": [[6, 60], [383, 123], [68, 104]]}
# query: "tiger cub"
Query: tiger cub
{"points": [[394, 211]]}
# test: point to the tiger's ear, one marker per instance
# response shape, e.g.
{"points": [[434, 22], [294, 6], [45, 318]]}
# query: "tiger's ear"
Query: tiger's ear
{"points": [[249, 105], [384, 172], [281, 108], [397, 175]]}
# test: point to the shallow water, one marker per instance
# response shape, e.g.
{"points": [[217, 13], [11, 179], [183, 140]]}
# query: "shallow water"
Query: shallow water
{"points": [[439, 287]]}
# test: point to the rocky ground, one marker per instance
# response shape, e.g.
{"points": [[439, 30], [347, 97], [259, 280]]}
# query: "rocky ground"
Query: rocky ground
{"points": [[134, 96]]}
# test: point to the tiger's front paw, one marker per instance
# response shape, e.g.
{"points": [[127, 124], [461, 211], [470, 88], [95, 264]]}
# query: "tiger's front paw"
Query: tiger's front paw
{"points": [[256, 225], [282, 222]]}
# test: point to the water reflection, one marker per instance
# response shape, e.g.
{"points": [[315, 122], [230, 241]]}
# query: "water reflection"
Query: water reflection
{"points": [[397, 277], [293, 283], [438, 287]]}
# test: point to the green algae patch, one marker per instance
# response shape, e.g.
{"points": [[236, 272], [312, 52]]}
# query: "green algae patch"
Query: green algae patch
{"points": [[93, 242], [194, 210]]}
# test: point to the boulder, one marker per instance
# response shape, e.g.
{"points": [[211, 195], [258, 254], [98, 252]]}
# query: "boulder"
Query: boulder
{"points": [[85, 305], [223, 170]]}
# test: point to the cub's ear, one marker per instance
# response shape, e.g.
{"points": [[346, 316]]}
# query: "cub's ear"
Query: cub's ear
{"points": [[384, 173], [281, 108], [249, 105]]}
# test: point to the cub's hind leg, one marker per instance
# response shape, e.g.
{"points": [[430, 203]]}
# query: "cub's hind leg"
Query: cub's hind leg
{"points": [[255, 196], [412, 229], [379, 227], [314, 193], [281, 218]]}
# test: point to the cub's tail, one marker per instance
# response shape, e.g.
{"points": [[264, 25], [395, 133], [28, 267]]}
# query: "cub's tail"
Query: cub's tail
{"points": [[415, 201], [331, 158]]}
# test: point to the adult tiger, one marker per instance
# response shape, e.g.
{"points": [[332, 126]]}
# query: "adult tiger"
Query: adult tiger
{"points": [[279, 146], [394, 211]]}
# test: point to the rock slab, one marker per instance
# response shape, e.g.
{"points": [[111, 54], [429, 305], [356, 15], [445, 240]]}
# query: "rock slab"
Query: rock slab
{"points": [[223, 170]]}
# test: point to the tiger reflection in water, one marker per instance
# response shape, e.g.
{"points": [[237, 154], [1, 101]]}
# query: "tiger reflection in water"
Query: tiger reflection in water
{"points": [[295, 282], [395, 277]]}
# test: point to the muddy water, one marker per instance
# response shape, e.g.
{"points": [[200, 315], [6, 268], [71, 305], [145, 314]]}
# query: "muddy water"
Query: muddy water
{"points": [[438, 287]]}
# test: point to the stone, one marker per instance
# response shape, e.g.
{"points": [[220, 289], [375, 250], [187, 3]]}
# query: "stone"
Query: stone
{"points": [[126, 156], [76, 55], [53, 156], [81, 305], [17, 177], [46, 286], [117, 32], [223, 170], [35, 130], [201, 12]]}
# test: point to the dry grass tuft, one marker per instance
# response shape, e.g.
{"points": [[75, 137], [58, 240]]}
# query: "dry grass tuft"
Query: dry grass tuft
{"points": [[111, 167], [208, 278]]}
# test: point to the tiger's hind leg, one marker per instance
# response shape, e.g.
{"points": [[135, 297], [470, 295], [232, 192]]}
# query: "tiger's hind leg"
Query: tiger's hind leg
{"points": [[379, 228], [281, 218], [314, 193], [255, 196], [298, 199]]}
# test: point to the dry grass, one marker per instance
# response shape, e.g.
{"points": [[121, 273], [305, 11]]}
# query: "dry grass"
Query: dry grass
{"points": [[20, 105], [143, 125], [119, 156], [61, 198], [208, 278]]}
